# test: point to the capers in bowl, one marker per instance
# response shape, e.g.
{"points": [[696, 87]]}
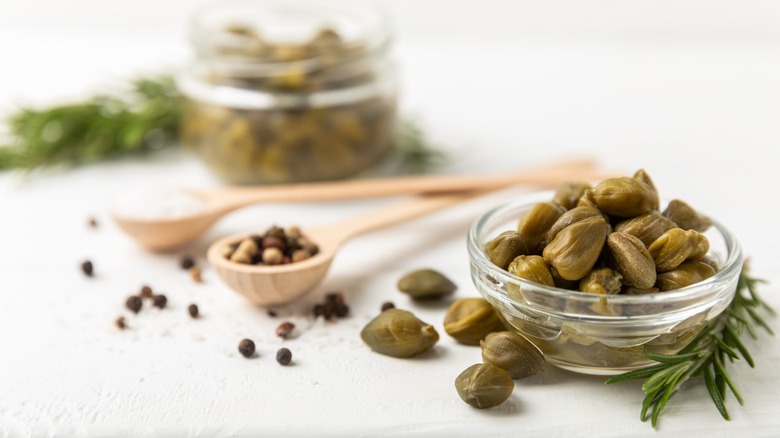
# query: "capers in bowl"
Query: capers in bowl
{"points": [[624, 274]]}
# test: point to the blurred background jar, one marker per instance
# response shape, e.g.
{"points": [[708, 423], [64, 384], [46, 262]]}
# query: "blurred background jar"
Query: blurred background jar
{"points": [[284, 91]]}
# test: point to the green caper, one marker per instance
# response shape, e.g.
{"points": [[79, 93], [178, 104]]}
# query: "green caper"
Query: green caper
{"points": [[535, 224], [632, 259], [398, 333], [574, 215], [686, 217], [642, 175], [569, 193], [625, 197], [686, 274], [426, 284], [484, 386], [469, 320], [532, 268], [513, 353], [602, 281], [504, 248], [677, 245], [587, 199], [577, 247], [646, 227]]}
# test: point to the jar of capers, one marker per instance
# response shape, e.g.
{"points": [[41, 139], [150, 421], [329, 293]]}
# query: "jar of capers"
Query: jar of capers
{"points": [[596, 276], [287, 92]]}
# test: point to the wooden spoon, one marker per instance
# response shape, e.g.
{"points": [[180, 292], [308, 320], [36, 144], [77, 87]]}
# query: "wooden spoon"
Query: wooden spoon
{"points": [[171, 232], [279, 284]]}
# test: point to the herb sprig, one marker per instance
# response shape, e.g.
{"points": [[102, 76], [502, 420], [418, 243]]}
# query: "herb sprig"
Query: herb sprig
{"points": [[144, 119], [707, 355]]}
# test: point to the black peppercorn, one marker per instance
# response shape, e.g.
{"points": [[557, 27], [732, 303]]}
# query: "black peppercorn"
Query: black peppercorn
{"points": [[186, 262], [285, 329], [193, 310], [283, 356], [134, 304], [387, 305], [146, 292], [92, 222], [246, 347], [160, 301], [272, 313], [120, 323], [87, 268]]}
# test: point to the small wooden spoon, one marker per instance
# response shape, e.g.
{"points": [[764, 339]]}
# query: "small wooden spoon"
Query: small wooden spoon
{"points": [[279, 284], [169, 233]]}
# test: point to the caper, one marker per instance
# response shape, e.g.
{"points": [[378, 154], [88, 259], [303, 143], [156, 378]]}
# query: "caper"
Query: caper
{"points": [[574, 215], [535, 224], [532, 268], [484, 386], [569, 193], [647, 227], [686, 217], [675, 246], [625, 197], [642, 175], [587, 199], [602, 281], [426, 284], [686, 274], [632, 259], [398, 333], [577, 247], [513, 353], [504, 248], [469, 320]]}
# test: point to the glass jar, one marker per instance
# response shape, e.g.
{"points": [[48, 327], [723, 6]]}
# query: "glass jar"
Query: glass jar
{"points": [[284, 91], [598, 334]]}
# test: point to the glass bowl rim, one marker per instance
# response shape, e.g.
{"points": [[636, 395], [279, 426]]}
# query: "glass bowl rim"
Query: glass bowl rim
{"points": [[731, 265]]}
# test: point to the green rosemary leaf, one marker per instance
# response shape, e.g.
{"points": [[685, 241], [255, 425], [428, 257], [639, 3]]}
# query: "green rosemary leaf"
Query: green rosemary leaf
{"points": [[649, 401], [759, 320], [661, 403], [674, 358], [636, 374], [725, 347], [734, 340], [723, 375], [717, 397]]}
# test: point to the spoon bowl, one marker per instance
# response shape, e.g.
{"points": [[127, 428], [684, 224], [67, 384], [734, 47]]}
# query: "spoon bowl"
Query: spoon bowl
{"points": [[278, 284]]}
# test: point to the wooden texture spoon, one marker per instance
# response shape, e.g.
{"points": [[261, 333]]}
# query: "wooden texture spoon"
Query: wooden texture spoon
{"points": [[167, 233], [279, 284]]}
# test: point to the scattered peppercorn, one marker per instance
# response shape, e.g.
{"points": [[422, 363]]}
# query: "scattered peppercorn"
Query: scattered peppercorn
{"points": [[134, 303], [146, 292], [120, 323], [186, 262], [272, 313], [195, 274], [246, 347], [160, 301], [87, 268], [387, 305], [92, 222], [284, 356], [285, 329], [193, 310], [334, 306]]}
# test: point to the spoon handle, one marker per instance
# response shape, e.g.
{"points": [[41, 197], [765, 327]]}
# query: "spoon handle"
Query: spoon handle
{"points": [[395, 213], [546, 176]]}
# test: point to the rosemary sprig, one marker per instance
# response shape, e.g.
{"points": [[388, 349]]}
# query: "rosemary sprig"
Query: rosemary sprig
{"points": [[706, 355], [100, 128]]}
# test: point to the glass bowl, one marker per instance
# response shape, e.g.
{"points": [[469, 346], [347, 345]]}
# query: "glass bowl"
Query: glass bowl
{"points": [[598, 334]]}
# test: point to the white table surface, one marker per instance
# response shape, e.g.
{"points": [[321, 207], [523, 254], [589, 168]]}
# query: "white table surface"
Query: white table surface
{"points": [[688, 90]]}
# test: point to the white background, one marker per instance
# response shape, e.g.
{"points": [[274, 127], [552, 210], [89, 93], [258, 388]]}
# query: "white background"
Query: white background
{"points": [[688, 90]]}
